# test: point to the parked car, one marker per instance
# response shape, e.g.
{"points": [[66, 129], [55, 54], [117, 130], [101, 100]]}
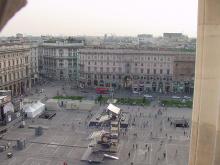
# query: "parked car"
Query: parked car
{"points": [[135, 92], [148, 96], [175, 97], [186, 97]]}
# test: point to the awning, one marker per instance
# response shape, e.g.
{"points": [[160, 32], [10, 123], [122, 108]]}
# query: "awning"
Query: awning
{"points": [[113, 109]]}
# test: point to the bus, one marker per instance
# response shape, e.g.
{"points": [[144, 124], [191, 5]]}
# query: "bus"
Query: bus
{"points": [[102, 91]]}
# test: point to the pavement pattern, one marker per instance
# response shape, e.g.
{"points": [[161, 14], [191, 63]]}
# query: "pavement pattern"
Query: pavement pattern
{"points": [[149, 140]]}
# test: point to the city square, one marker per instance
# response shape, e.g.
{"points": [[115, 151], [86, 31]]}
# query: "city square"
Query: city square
{"points": [[149, 139]]}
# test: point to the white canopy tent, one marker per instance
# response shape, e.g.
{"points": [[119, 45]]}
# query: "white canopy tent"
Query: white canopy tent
{"points": [[9, 107], [34, 109], [113, 109]]}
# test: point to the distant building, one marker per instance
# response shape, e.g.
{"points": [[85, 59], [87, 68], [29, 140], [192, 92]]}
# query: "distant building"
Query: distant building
{"points": [[15, 68], [59, 60], [19, 35], [145, 39], [172, 35], [140, 70], [183, 73], [34, 72]]}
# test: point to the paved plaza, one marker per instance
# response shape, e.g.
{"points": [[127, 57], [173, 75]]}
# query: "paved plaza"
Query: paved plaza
{"points": [[149, 140]]}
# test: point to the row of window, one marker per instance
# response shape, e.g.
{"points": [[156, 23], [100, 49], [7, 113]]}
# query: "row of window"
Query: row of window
{"points": [[13, 62], [119, 77], [12, 76], [136, 64], [136, 70], [112, 57]]}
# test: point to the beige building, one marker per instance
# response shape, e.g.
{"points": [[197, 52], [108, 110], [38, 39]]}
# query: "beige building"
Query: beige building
{"points": [[183, 73], [15, 68], [140, 70]]}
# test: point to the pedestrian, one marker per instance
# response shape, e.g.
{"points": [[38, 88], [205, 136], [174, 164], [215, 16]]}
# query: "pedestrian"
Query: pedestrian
{"points": [[136, 146], [133, 146], [129, 154], [164, 155]]}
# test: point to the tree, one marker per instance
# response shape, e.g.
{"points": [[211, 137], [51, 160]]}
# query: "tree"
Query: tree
{"points": [[99, 99]]}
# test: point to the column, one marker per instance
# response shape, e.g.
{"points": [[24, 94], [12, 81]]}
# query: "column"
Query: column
{"points": [[30, 84], [205, 135]]}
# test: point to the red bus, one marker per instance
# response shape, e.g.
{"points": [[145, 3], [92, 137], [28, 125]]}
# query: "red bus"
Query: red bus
{"points": [[102, 90]]}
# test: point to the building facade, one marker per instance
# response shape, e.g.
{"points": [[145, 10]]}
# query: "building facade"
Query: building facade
{"points": [[34, 73], [15, 68], [141, 70], [183, 73], [59, 61]]}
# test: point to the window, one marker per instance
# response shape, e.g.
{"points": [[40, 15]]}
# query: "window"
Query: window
{"points": [[142, 70], [168, 71], [9, 76], [155, 71], [107, 76], [95, 62], [5, 78], [101, 69], [113, 76], [88, 68], [161, 71], [148, 71], [107, 69], [142, 64], [95, 69], [89, 63], [113, 69]]}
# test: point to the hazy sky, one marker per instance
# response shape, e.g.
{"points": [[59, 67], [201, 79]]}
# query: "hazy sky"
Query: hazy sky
{"points": [[97, 17]]}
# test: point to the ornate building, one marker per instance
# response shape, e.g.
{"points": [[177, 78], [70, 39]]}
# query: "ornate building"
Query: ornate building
{"points": [[140, 70], [183, 73], [59, 61], [15, 68]]}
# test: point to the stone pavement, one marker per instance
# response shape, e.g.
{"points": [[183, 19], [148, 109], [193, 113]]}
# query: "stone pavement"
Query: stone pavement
{"points": [[148, 139]]}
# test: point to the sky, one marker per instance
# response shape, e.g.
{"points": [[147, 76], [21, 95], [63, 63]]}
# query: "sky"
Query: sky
{"points": [[98, 17]]}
